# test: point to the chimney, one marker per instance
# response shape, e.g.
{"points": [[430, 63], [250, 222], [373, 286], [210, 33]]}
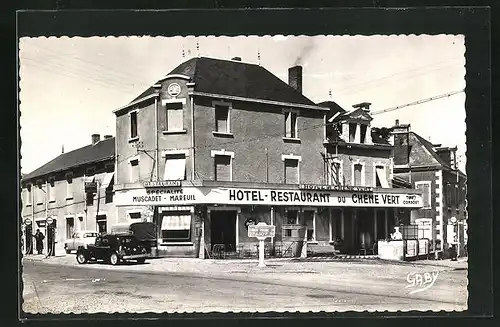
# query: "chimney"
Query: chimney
{"points": [[397, 122], [107, 136], [95, 138], [295, 78], [236, 59], [363, 105]]}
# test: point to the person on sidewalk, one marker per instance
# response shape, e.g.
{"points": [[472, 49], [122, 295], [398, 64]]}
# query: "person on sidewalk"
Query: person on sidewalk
{"points": [[39, 237]]}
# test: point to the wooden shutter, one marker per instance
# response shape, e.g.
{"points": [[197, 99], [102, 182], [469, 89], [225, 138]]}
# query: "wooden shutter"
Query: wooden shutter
{"points": [[222, 168], [291, 171], [133, 124], [288, 124]]}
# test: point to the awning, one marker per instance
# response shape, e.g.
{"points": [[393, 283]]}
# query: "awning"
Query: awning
{"points": [[107, 180], [181, 222], [381, 177], [175, 168]]}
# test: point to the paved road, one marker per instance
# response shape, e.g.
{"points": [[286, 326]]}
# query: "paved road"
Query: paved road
{"points": [[50, 288]]}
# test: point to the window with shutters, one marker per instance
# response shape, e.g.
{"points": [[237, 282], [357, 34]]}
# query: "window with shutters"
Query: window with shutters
{"points": [[291, 171], [381, 177], [358, 174], [69, 186], [174, 116], [175, 167], [335, 173], [425, 188], [28, 195], [222, 119], [291, 124], [40, 194], [176, 226], [352, 132], [223, 168], [51, 190], [134, 170], [362, 130], [133, 125]]}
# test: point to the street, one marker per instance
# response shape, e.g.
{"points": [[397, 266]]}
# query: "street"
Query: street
{"points": [[53, 288]]}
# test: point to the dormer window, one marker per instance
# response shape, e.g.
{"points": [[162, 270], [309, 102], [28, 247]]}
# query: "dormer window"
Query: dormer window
{"points": [[362, 130], [352, 132]]}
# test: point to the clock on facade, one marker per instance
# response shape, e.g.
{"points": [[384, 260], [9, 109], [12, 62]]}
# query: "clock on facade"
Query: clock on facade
{"points": [[174, 89]]}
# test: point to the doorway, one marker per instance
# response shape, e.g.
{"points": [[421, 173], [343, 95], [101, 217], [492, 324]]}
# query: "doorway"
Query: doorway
{"points": [[223, 229], [102, 225], [70, 227]]}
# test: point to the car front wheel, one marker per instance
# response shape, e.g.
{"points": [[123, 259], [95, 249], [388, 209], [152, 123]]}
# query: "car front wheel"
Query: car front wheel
{"points": [[113, 259], [81, 258]]}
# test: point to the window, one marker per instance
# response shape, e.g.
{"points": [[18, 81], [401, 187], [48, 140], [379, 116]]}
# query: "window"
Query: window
{"points": [[133, 125], [291, 124], [176, 226], [134, 170], [175, 167], [28, 195], [51, 191], [89, 199], [223, 168], [69, 186], [425, 188], [107, 185], [40, 194], [334, 174], [358, 173], [222, 119], [291, 171], [380, 177], [362, 129], [309, 218], [292, 217], [174, 116], [352, 132], [449, 196]]}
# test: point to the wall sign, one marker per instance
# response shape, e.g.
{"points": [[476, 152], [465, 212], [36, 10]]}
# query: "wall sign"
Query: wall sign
{"points": [[174, 89], [162, 184], [335, 188], [240, 196]]}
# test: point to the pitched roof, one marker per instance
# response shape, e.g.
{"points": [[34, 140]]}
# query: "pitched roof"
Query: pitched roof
{"points": [[235, 78], [102, 150], [430, 148]]}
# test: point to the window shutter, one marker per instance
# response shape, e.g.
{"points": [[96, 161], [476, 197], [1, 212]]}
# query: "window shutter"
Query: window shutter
{"points": [[381, 176], [291, 171], [293, 124], [426, 195], [133, 124], [288, 124], [175, 114], [222, 168]]}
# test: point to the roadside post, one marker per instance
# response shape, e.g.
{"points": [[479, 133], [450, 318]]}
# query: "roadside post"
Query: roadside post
{"points": [[261, 231]]}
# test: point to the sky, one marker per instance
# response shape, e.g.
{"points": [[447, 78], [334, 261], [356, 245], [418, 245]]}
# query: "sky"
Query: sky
{"points": [[69, 86]]}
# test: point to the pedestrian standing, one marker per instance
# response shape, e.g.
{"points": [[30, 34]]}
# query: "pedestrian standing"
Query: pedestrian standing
{"points": [[39, 241]]}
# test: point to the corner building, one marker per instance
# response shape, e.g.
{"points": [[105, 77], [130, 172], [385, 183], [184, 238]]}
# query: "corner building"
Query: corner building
{"points": [[216, 145]]}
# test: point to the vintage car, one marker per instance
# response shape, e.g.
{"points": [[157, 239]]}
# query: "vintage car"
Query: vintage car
{"points": [[80, 239], [125, 242]]}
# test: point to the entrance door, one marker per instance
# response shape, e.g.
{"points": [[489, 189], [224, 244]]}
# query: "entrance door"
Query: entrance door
{"points": [[70, 227], [223, 229], [365, 228]]}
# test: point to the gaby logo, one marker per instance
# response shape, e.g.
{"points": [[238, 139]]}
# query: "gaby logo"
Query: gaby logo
{"points": [[421, 282]]}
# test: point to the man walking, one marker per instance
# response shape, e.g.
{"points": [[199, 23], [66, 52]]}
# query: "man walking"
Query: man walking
{"points": [[39, 241]]}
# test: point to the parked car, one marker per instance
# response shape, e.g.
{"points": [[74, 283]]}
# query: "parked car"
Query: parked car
{"points": [[80, 239], [125, 242]]}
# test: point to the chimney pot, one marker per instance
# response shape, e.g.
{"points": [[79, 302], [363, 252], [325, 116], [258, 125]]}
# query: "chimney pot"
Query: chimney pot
{"points": [[96, 138], [295, 78], [397, 122], [236, 58], [107, 136], [363, 105]]}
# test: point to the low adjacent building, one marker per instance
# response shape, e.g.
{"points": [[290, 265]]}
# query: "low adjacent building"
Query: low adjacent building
{"points": [[72, 192]]}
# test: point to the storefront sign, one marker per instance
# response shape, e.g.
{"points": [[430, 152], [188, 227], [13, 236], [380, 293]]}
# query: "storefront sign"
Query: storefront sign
{"points": [[261, 231], [239, 196], [162, 184], [335, 188]]}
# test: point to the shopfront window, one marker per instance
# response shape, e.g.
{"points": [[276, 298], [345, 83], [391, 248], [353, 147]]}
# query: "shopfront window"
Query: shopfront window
{"points": [[176, 226]]}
